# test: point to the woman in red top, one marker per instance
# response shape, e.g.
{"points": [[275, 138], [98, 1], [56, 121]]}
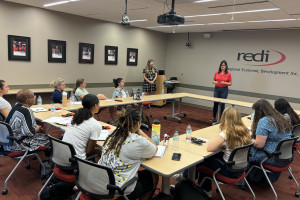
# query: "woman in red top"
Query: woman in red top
{"points": [[222, 80]]}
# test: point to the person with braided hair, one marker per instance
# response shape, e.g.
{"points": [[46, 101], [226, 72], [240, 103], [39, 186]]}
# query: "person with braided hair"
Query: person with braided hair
{"points": [[124, 150], [84, 130]]}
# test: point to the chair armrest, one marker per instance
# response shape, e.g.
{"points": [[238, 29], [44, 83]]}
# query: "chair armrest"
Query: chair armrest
{"points": [[223, 163], [134, 179], [91, 158]]}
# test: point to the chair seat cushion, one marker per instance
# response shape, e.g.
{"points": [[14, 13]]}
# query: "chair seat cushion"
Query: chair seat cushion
{"points": [[64, 176], [275, 168], [208, 171], [85, 197]]}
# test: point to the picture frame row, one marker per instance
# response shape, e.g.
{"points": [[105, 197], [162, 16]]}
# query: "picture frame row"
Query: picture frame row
{"points": [[19, 50]]}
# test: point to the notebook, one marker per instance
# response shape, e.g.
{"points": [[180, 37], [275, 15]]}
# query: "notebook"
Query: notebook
{"points": [[160, 151]]}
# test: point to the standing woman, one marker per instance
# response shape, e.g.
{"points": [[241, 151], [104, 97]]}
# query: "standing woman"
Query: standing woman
{"points": [[5, 107], [150, 76], [222, 80], [59, 86]]}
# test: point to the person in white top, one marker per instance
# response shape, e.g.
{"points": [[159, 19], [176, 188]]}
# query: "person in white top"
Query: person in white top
{"points": [[5, 107], [84, 131], [124, 150]]}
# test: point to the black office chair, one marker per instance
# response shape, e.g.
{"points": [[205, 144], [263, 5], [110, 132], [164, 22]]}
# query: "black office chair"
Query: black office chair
{"points": [[2, 117], [171, 87], [97, 181], [296, 133]]}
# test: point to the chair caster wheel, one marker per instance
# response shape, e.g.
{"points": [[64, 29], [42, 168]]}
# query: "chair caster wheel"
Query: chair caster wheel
{"points": [[179, 121], [165, 117], [243, 187], [184, 115], [296, 194], [27, 167], [290, 177], [4, 192]]}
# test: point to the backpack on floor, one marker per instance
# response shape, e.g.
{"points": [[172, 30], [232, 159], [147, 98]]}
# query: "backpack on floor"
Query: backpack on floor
{"points": [[145, 120], [185, 190]]}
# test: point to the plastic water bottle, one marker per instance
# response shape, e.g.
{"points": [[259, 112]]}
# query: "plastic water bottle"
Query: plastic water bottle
{"points": [[162, 93], [39, 101], [52, 110], [189, 131], [175, 140], [143, 96], [72, 100]]}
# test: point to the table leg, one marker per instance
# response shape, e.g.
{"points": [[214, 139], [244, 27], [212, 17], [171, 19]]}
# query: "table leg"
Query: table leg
{"points": [[173, 114], [192, 173], [165, 185]]}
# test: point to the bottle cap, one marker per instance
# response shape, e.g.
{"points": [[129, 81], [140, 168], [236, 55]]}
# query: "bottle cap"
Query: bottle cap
{"points": [[156, 121]]}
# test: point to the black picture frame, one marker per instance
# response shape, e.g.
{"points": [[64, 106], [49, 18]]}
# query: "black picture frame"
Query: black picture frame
{"points": [[86, 53], [56, 51], [132, 56], [18, 48], [111, 55]]}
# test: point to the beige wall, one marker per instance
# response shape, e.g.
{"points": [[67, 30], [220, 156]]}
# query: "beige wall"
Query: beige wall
{"points": [[196, 65], [41, 25]]}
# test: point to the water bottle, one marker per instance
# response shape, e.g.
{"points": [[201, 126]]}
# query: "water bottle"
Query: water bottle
{"points": [[188, 137], [143, 96], [252, 117], [39, 101], [72, 100], [162, 92], [176, 141], [52, 110]]}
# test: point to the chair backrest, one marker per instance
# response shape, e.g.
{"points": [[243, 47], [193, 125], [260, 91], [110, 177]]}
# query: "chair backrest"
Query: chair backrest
{"points": [[239, 158], [296, 132], [6, 134], [95, 180], [285, 149], [62, 154], [2, 117]]}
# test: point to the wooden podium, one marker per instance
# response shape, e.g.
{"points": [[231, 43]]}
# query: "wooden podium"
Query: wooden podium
{"points": [[159, 86]]}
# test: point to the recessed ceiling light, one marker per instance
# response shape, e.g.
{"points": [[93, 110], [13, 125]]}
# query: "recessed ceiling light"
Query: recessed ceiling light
{"points": [[236, 12], [58, 3], [225, 23], [273, 20], [137, 20]]}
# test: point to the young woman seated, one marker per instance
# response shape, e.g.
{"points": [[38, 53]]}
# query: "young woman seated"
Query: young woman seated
{"points": [[268, 129], [120, 91], [23, 124], [124, 151], [79, 92], [233, 134], [59, 86], [84, 130], [282, 106], [5, 107]]}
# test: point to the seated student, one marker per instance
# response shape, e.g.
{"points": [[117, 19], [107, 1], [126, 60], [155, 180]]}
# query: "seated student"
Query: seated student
{"points": [[23, 124], [84, 130], [120, 91], [282, 106], [79, 90], [59, 86], [233, 134], [125, 149], [5, 107], [268, 128]]}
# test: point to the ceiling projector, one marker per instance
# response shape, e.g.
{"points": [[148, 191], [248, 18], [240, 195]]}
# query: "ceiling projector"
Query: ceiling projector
{"points": [[170, 19]]}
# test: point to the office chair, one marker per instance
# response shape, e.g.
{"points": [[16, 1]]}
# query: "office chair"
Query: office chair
{"points": [[62, 156], [240, 154], [284, 153], [7, 138], [296, 133], [97, 181]]}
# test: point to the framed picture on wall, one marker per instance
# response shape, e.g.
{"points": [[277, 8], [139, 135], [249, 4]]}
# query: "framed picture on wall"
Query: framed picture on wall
{"points": [[56, 51], [111, 55], [18, 48], [86, 53], [132, 56]]}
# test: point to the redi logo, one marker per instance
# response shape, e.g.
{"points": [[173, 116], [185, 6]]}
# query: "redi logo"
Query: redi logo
{"points": [[264, 56]]}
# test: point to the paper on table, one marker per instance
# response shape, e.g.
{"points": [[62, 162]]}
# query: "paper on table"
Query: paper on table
{"points": [[77, 103], [104, 134], [39, 109], [59, 120], [107, 100], [160, 151], [203, 139]]}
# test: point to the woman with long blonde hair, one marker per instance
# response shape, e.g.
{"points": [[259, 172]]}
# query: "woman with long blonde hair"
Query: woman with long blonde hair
{"points": [[150, 76], [233, 134]]}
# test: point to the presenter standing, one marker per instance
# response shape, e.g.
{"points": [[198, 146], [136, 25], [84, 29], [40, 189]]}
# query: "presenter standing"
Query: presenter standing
{"points": [[222, 80], [150, 76]]}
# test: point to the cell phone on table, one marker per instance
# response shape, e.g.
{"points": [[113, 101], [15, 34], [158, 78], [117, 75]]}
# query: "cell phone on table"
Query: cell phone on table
{"points": [[176, 156]]}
